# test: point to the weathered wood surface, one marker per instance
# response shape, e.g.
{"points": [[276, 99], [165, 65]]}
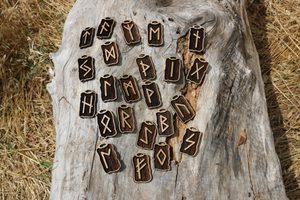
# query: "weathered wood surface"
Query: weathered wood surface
{"points": [[230, 104]]}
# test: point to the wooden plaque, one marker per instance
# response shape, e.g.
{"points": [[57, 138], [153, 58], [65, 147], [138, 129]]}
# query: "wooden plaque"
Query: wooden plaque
{"points": [[191, 141], [196, 39], [88, 104], [106, 123], [147, 135], [183, 108], [152, 95], [110, 53], [131, 32], [172, 70], [86, 68], [165, 123], [142, 172], [146, 67], [106, 28], [155, 34], [108, 88], [87, 38], [197, 72], [130, 89], [109, 158], [162, 156], [127, 123]]}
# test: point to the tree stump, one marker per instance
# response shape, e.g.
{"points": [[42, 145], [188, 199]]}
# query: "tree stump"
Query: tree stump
{"points": [[235, 157]]}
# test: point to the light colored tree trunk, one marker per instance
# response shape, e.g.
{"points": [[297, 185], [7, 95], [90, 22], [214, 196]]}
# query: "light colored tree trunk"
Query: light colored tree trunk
{"points": [[230, 106]]}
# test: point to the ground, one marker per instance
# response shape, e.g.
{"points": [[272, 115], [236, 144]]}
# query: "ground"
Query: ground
{"points": [[31, 29]]}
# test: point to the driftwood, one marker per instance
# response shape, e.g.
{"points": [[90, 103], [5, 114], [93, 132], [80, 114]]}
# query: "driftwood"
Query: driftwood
{"points": [[236, 158]]}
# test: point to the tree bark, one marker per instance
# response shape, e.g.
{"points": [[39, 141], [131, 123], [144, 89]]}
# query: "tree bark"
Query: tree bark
{"points": [[236, 159]]}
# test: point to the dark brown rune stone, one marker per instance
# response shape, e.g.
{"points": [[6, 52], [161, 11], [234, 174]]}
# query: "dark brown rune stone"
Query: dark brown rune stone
{"points": [[86, 68], [109, 158], [191, 141], [127, 122], [165, 123], [196, 39], [110, 53], [172, 70], [146, 67], [88, 104], [130, 89], [106, 123], [142, 171], [106, 28], [131, 32], [147, 135], [183, 108], [197, 71], [152, 95], [108, 88], [155, 34], [162, 156], [87, 38]]}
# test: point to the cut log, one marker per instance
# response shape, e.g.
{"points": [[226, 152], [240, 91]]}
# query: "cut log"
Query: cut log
{"points": [[236, 157]]}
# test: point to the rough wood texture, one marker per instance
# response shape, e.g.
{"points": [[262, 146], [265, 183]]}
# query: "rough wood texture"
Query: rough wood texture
{"points": [[231, 102]]}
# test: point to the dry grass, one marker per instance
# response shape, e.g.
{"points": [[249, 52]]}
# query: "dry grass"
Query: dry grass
{"points": [[31, 29]]}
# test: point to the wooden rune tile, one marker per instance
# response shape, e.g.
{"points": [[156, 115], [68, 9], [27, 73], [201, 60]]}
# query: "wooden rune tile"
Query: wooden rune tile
{"points": [[146, 67], [165, 123], [110, 53], [131, 32], [152, 95], [183, 108], [87, 38], [126, 117], [88, 104], [130, 89], [162, 156], [106, 28], [142, 171], [106, 124], [86, 65], [155, 34], [197, 72], [172, 70], [147, 135], [108, 88], [196, 39], [109, 158], [191, 141]]}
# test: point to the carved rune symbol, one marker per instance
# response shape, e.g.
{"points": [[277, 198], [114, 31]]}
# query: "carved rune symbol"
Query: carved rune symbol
{"points": [[183, 108], [87, 37], [162, 156], [126, 119], [142, 168], [197, 72], [165, 122], [152, 95], [88, 102], [196, 39], [86, 68], [108, 158], [106, 28], [106, 124], [172, 70], [110, 53], [131, 32], [191, 141], [146, 67], [147, 135], [130, 89], [155, 34], [108, 88]]}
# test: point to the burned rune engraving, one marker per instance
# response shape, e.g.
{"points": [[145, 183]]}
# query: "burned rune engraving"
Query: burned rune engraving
{"points": [[86, 65], [196, 39], [183, 108], [131, 32], [147, 135], [197, 72], [127, 123], [110, 53], [165, 122], [108, 88], [106, 123], [109, 158], [162, 156], [152, 95], [142, 168], [191, 141], [106, 28], [172, 70], [146, 67], [88, 104], [87, 37], [130, 89], [155, 34]]}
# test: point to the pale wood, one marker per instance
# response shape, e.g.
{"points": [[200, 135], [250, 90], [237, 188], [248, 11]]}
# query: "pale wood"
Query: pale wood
{"points": [[230, 103]]}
